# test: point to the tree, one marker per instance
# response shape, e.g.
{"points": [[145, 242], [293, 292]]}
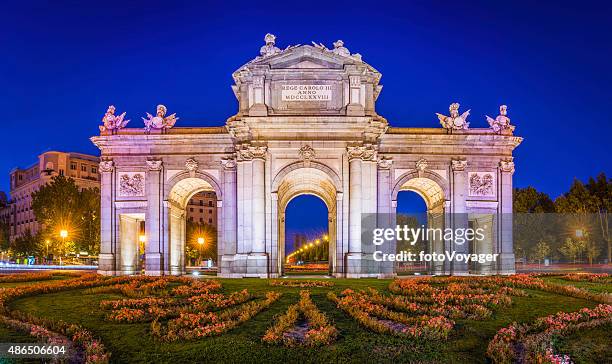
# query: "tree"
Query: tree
{"points": [[592, 250], [601, 189], [529, 200], [60, 205], [570, 249], [25, 245], [541, 251], [577, 200]]}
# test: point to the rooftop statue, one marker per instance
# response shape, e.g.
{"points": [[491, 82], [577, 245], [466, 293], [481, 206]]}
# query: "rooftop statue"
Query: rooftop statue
{"points": [[502, 121], [339, 49], [269, 49], [160, 121], [111, 122], [454, 121]]}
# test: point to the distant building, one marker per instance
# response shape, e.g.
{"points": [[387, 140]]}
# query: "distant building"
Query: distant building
{"points": [[202, 208], [83, 168], [5, 211]]}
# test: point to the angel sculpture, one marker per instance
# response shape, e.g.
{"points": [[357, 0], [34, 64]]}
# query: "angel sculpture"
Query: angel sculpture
{"points": [[454, 121], [160, 121], [501, 122], [111, 122]]}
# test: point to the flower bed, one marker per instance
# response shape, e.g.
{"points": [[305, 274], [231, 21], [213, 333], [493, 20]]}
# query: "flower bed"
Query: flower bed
{"points": [[89, 350], [533, 343], [300, 284], [588, 277], [32, 277], [316, 331], [152, 308], [380, 319], [190, 326]]}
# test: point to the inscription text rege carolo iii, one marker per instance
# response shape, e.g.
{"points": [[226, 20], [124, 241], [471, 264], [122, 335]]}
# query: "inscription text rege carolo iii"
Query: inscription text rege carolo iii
{"points": [[306, 92]]}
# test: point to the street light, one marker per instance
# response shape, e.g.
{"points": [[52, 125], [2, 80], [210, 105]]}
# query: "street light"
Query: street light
{"points": [[579, 233], [63, 235], [201, 243], [142, 239]]}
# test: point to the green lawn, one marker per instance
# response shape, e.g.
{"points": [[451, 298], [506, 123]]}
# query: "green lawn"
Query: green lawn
{"points": [[467, 344]]}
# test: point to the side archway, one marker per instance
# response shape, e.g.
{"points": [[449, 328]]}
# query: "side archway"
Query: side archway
{"points": [[433, 188], [181, 190]]}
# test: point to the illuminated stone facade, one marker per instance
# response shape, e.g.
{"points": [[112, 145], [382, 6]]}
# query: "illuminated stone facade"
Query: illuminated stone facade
{"points": [[306, 124]]}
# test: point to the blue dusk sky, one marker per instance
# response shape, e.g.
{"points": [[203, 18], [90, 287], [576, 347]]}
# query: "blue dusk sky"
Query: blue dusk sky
{"points": [[64, 62]]}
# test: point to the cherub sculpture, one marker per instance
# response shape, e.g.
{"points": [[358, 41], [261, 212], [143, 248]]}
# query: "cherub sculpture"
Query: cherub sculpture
{"points": [[111, 122], [502, 121], [270, 48], [160, 121], [454, 121]]}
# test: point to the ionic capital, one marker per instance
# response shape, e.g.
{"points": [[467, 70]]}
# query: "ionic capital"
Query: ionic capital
{"points": [[154, 165], [458, 165], [385, 163], [229, 163], [506, 166], [106, 166]]}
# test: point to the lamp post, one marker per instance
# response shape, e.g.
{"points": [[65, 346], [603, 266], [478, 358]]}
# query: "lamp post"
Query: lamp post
{"points": [[201, 243], [63, 235]]}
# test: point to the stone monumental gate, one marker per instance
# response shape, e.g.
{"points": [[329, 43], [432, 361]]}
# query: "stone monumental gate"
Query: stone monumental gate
{"points": [[306, 124]]}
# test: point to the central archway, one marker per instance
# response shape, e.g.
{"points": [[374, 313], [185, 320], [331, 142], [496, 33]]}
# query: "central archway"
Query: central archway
{"points": [[306, 179]]}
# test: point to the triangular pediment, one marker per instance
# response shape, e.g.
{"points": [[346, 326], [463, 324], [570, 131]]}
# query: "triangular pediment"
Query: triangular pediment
{"points": [[305, 56]]}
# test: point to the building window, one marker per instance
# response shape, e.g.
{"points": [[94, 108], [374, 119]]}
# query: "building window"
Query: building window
{"points": [[210, 221], [191, 209], [73, 166], [201, 203], [201, 219], [83, 168], [210, 203], [210, 211], [94, 170], [201, 210]]}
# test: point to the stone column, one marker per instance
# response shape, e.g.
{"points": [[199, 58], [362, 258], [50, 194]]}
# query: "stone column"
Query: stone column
{"points": [[459, 187], [107, 262], [257, 261], [353, 261], [259, 198], [229, 238], [385, 213], [505, 242], [153, 219]]}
